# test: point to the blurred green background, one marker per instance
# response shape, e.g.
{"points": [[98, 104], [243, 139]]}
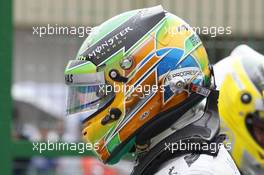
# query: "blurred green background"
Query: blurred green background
{"points": [[32, 70]]}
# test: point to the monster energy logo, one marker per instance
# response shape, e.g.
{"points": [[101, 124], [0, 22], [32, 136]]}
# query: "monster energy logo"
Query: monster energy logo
{"points": [[123, 37], [110, 43]]}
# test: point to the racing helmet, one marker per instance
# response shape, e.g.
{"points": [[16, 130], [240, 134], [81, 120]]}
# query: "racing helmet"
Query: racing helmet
{"points": [[241, 107], [134, 76]]}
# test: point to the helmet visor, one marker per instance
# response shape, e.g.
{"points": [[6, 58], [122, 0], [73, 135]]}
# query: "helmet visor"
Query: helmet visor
{"points": [[256, 126], [258, 80], [254, 67], [87, 97]]}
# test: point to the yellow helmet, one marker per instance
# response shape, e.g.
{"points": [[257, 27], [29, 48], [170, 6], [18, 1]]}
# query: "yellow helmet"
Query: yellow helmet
{"points": [[241, 107]]}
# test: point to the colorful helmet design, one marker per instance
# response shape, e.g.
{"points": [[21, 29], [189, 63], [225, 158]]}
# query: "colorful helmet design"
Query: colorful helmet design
{"points": [[134, 76], [241, 107]]}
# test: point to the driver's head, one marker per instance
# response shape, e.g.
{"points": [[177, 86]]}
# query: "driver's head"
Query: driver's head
{"points": [[131, 70], [241, 107]]}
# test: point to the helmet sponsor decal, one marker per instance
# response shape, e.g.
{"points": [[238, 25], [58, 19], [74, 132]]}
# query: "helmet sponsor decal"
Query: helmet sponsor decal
{"points": [[125, 36]]}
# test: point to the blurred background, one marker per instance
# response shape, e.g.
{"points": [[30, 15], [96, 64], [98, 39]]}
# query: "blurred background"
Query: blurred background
{"points": [[38, 89]]}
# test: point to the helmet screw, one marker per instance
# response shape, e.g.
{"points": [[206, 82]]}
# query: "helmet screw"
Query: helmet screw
{"points": [[114, 114], [176, 84], [246, 98], [113, 74], [126, 63], [180, 84]]}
